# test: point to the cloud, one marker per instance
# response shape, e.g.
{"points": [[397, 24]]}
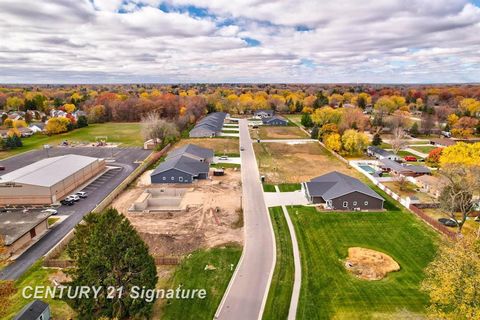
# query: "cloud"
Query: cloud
{"points": [[239, 41]]}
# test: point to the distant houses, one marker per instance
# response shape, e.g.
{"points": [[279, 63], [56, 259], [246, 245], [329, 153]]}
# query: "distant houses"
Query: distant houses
{"points": [[275, 121], [338, 191], [210, 126], [263, 113], [380, 154], [184, 165]]}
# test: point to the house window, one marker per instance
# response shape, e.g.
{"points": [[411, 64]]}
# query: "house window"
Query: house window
{"points": [[173, 178], [366, 203], [345, 204], [164, 178], [354, 203], [180, 179], [329, 203]]}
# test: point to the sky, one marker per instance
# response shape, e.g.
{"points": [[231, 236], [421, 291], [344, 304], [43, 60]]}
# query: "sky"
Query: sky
{"points": [[259, 41]]}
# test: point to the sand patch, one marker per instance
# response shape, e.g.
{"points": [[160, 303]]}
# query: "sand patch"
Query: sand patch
{"points": [[369, 264]]}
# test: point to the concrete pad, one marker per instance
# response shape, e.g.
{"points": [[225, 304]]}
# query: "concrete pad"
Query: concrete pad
{"points": [[273, 199]]}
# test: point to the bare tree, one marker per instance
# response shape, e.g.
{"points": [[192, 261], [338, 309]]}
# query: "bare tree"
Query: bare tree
{"points": [[457, 197], [157, 129], [401, 181], [398, 141]]}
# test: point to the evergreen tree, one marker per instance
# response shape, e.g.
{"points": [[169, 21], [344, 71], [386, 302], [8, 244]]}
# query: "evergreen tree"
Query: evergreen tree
{"points": [[377, 140], [82, 122], [314, 133], [320, 101], [107, 251], [414, 129], [17, 142], [306, 120]]}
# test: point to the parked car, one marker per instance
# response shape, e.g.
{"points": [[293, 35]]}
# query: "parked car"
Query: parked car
{"points": [[82, 194], [410, 158], [2, 168], [242, 148], [67, 202], [73, 197], [51, 211], [448, 222], [223, 158]]}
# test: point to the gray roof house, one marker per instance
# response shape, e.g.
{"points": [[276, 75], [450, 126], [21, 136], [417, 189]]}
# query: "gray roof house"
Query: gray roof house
{"points": [[341, 192], [210, 126], [379, 153], [35, 310], [275, 121], [263, 113], [403, 169], [184, 165]]}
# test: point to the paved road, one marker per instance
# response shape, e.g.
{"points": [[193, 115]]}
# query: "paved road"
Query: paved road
{"points": [[97, 191], [248, 288], [291, 141]]}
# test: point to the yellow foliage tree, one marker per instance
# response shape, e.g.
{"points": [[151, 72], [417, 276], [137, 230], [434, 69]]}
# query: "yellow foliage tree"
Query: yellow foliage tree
{"points": [[333, 142], [354, 142], [325, 115], [57, 125], [452, 119], [8, 123], [335, 99], [19, 124], [471, 105], [461, 154], [69, 107], [385, 104]]}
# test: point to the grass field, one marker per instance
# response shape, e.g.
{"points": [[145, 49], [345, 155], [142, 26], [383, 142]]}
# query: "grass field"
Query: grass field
{"points": [[330, 292], [403, 153], [280, 132], [289, 187], [295, 118], [294, 163], [269, 188], [423, 149], [281, 287], [36, 276], [126, 134], [191, 274], [220, 146]]}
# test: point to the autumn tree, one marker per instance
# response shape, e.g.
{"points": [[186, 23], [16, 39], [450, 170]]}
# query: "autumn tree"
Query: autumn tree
{"points": [[385, 105], [433, 159], [398, 141], [14, 103], [69, 107], [326, 115], [107, 251], [333, 142], [354, 142], [461, 154], [57, 125], [452, 279], [377, 139], [157, 129]]}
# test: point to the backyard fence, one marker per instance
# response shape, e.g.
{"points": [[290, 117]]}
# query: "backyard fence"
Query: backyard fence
{"points": [[432, 222]]}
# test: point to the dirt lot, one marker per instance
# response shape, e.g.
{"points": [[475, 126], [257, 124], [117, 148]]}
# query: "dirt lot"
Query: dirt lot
{"points": [[369, 264], [212, 219], [281, 132], [219, 145], [293, 163]]}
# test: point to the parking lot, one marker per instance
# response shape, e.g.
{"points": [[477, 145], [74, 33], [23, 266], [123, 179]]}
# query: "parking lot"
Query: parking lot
{"points": [[122, 161]]}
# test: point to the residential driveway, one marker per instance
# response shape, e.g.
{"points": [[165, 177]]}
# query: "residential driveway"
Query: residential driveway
{"points": [[234, 160], [126, 160], [294, 198], [417, 153], [223, 134], [248, 288]]}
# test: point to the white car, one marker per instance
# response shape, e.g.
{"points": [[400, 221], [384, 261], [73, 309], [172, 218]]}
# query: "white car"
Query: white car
{"points": [[50, 211], [223, 158], [82, 194], [73, 197]]}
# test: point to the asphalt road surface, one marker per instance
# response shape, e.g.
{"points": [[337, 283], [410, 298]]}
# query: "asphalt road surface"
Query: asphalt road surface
{"points": [[244, 298], [124, 164]]}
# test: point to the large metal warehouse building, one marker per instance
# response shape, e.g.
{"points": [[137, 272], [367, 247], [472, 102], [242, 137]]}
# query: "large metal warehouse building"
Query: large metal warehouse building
{"points": [[49, 180]]}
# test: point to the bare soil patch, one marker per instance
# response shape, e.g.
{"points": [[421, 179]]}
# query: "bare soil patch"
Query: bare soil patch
{"points": [[219, 145], [294, 163], [210, 220], [369, 264]]}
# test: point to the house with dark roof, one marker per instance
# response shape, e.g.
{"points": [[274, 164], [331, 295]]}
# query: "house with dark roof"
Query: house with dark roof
{"points": [[35, 310], [379, 153], [210, 126], [341, 192], [184, 165], [263, 113], [275, 121], [388, 165]]}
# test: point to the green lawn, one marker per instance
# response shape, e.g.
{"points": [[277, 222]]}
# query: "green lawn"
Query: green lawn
{"points": [[127, 134], [289, 187], [403, 153], [269, 188], [225, 165], [281, 287], [230, 131], [330, 292], [423, 149], [191, 274], [36, 276], [295, 118]]}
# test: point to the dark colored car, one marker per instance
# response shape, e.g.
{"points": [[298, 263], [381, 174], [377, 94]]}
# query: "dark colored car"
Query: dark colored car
{"points": [[67, 202], [448, 222], [2, 168]]}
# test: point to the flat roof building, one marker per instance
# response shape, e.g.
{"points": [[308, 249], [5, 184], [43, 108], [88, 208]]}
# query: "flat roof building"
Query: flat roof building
{"points": [[49, 180]]}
